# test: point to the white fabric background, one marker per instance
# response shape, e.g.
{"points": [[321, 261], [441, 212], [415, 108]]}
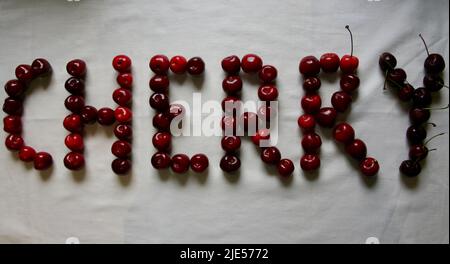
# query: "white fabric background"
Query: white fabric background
{"points": [[338, 206]]}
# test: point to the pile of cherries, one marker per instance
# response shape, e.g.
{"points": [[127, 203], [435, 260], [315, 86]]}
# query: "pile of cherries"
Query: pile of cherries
{"points": [[420, 99], [13, 107], [166, 113]]}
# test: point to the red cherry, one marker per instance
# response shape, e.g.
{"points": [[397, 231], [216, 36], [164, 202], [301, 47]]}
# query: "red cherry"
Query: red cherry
{"points": [[230, 163], [231, 64], [268, 93], [311, 84], [12, 124], [311, 142], [27, 154], [121, 149], [356, 149], [195, 66], [176, 110], [309, 66], [162, 141], [271, 155], [251, 63], [349, 64], [249, 121], [180, 163], [121, 166], [285, 167], [76, 68], [105, 116], [122, 96], [24, 73], [15, 88], [397, 76], [309, 162], [74, 142], [326, 117], [329, 62], [159, 102], [231, 104], [265, 112], [74, 85], [261, 134], [311, 103], [232, 84], [42, 161], [230, 143], [122, 63], [125, 80], [229, 125], [159, 64], [178, 64], [267, 74], [199, 163], [349, 82], [341, 101], [306, 122], [89, 114], [123, 114], [419, 115], [14, 142], [123, 132], [161, 160], [74, 103], [74, 161], [159, 83], [418, 152], [369, 167], [73, 123], [161, 121], [406, 92], [13, 106], [41, 67], [344, 133]]}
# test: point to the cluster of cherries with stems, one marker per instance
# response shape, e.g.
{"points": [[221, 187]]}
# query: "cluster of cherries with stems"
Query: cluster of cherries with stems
{"points": [[420, 100], [13, 107], [166, 113], [247, 122], [310, 68]]}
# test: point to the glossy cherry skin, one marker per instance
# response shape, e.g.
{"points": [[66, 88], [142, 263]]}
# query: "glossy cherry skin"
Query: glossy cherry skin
{"points": [[231, 104], [41, 67], [369, 167], [230, 143], [195, 66], [73, 123], [410, 168], [12, 124], [13, 106], [159, 83], [418, 152], [344, 133], [405, 93], [180, 163], [122, 96], [349, 64], [24, 73], [311, 84], [74, 161], [178, 64], [89, 114], [76, 68], [397, 76], [74, 85], [14, 142], [309, 162], [309, 66], [285, 167], [306, 122], [15, 88], [176, 110], [123, 114], [251, 63], [311, 103], [271, 155], [125, 80], [433, 82], [265, 112], [74, 142], [123, 132], [159, 102], [105, 116], [416, 134], [261, 134], [122, 63], [349, 83], [421, 97], [230, 163], [43, 161], [418, 115], [229, 125], [326, 117], [268, 93], [121, 149], [329, 62], [162, 141], [267, 74], [231, 64], [434, 63], [27, 154], [74, 103], [387, 61], [356, 149], [311, 142], [121, 166], [161, 121], [232, 84], [341, 101], [161, 160], [199, 163], [159, 64], [249, 121]]}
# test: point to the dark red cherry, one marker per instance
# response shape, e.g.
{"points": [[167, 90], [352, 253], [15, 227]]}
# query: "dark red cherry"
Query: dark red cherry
{"points": [[121, 149], [232, 84], [123, 114], [161, 121], [121, 166], [387, 61], [369, 167], [341, 101], [122, 96], [410, 168], [15, 88], [329, 62], [285, 167], [89, 114], [344, 133], [416, 134], [311, 84], [199, 163], [309, 66], [231, 64], [176, 110], [326, 117], [397, 76], [76, 68], [309, 162], [229, 125], [230, 143], [261, 134], [356, 149], [159, 102], [161, 160], [24, 73], [418, 152], [271, 155], [268, 93], [421, 97], [178, 64], [74, 85], [419, 115], [105, 116], [306, 122], [43, 161], [122, 63], [349, 64], [267, 74], [162, 141], [434, 63], [74, 103], [251, 63], [311, 103], [41, 67], [14, 142], [13, 106], [125, 80], [249, 121], [406, 92], [74, 161], [159, 83], [230, 163], [73, 123], [159, 64], [12, 124], [349, 83], [180, 163], [74, 142], [27, 154], [265, 112], [231, 104], [433, 82], [311, 142], [195, 66], [123, 132]]}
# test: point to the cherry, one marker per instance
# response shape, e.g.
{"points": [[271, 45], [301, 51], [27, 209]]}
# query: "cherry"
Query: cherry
{"points": [[229, 125], [285, 167], [159, 83], [230, 143], [421, 97], [159, 64], [311, 103], [309, 162], [311, 84], [406, 92], [74, 161], [74, 103], [14, 142], [195, 66], [231, 104], [105, 116], [41, 67], [265, 112], [249, 121], [73, 123], [159, 102], [12, 124], [122, 63], [121, 149], [369, 167], [231, 64], [27, 154], [251, 63], [349, 63], [230, 163], [433, 82], [123, 114], [24, 73], [261, 134], [311, 142], [341, 101], [434, 63], [125, 80], [123, 132], [178, 64], [309, 66], [356, 149], [180, 163], [121, 166], [13, 106], [416, 134], [344, 133], [267, 93], [397, 76], [162, 141], [15, 88], [418, 152], [199, 163], [326, 117], [176, 110], [43, 161], [271, 155], [267, 74], [329, 62], [306, 122], [349, 82], [76, 68], [410, 168], [387, 61], [161, 160], [161, 121], [122, 96], [89, 114], [74, 85], [232, 84], [418, 115], [74, 142]]}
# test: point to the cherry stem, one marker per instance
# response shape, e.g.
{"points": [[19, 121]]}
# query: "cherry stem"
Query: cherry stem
{"points": [[351, 39], [426, 47], [440, 108], [385, 80], [432, 124], [433, 137], [432, 149]]}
